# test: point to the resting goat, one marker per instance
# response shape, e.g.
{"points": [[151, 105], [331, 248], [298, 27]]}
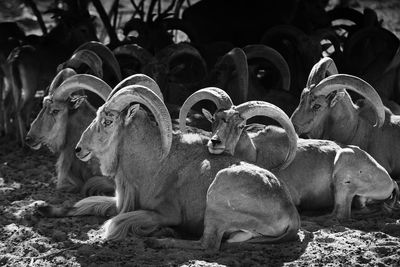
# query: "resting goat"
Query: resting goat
{"points": [[326, 111], [322, 174], [61, 122], [166, 179]]}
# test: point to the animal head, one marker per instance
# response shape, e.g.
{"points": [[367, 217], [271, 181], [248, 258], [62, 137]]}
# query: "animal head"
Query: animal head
{"points": [[117, 118], [50, 126], [321, 105], [229, 121]]}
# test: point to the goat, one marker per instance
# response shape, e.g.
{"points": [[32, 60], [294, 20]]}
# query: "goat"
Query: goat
{"points": [[320, 174], [59, 126], [326, 111], [30, 72], [168, 179], [62, 120]]}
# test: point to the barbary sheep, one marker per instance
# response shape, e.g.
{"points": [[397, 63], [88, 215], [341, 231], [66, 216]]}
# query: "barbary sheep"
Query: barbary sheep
{"points": [[326, 111], [321, 174], [166, 179]]}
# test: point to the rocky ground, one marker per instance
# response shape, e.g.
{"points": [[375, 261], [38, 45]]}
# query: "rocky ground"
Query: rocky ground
{"points": [[27, 239]]}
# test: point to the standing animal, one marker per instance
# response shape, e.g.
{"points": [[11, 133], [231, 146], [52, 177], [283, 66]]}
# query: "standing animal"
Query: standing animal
{"points": [[165, 179], [319, 174], [327, 111]]}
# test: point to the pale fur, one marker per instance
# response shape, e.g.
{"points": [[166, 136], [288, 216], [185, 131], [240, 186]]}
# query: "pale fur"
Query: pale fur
{"points": [[172, 191], [61, 135], [318, 170], [341, 120]]}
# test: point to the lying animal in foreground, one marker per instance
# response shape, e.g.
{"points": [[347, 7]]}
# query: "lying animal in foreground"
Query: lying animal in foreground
{"points": [[165, 179], [326, 111], [322, 173]]}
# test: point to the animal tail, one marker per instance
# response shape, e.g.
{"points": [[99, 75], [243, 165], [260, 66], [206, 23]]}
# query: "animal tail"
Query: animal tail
{"points": [[392, 203]]}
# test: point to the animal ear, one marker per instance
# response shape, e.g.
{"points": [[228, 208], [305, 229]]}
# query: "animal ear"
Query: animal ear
{"points": [[208, 115], [131, 113], [77, 100], [336, 98]]}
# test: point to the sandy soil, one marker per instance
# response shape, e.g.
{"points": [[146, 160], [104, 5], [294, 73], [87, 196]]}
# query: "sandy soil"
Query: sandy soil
{"points": [[27, 180]]}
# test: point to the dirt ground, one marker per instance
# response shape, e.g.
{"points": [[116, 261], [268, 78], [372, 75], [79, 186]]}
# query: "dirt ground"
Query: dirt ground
{"points": [[27, 179]]}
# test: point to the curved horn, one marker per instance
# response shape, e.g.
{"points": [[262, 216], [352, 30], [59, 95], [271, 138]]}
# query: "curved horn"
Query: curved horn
{"points": [[323, 68], [86, 57], [79, 82], [220, 98], [145, 96], [138, 79], [60, 78], [345, 81], [238, 59], [273, 56], [167, 54], [106, 56], [250, 109], [135, 51]]}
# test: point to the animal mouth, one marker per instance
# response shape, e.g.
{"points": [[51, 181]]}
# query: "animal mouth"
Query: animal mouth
{"points": [[84, 157], [216, 150], [35, 146]]}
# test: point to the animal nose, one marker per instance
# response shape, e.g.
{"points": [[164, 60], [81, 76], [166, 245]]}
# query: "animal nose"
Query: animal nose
{"points": [[28, 139], [78, 149], [215, 141]]}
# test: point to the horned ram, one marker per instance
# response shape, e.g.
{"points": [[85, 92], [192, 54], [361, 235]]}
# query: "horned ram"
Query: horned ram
{"points": [[326, 111], [166, 179], [65, 115], [319, 174]]}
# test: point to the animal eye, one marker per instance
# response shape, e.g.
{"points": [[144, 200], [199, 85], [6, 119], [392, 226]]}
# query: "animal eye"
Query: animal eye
{"points": [[55, 111], [241, 126], [316, 107], [107, 122], [224, 120]]}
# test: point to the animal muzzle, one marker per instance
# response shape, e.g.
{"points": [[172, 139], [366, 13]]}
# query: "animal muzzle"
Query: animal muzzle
{"points": [[215, 146], [82, 154], [32, 142]]}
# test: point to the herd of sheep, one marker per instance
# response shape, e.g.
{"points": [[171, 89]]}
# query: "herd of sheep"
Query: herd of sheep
{"points": [[164, 142]]}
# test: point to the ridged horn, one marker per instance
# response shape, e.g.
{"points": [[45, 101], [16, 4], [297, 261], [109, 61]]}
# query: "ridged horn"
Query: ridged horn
{"points": [[60, 78], [135, 51], [250, 109], [345, 81], [145, 96], [273, 56], [106, 56], [87, 57], [167, 54], [138, 79], [323, 68], [220, 98], [82, 82], [238, 59]]}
